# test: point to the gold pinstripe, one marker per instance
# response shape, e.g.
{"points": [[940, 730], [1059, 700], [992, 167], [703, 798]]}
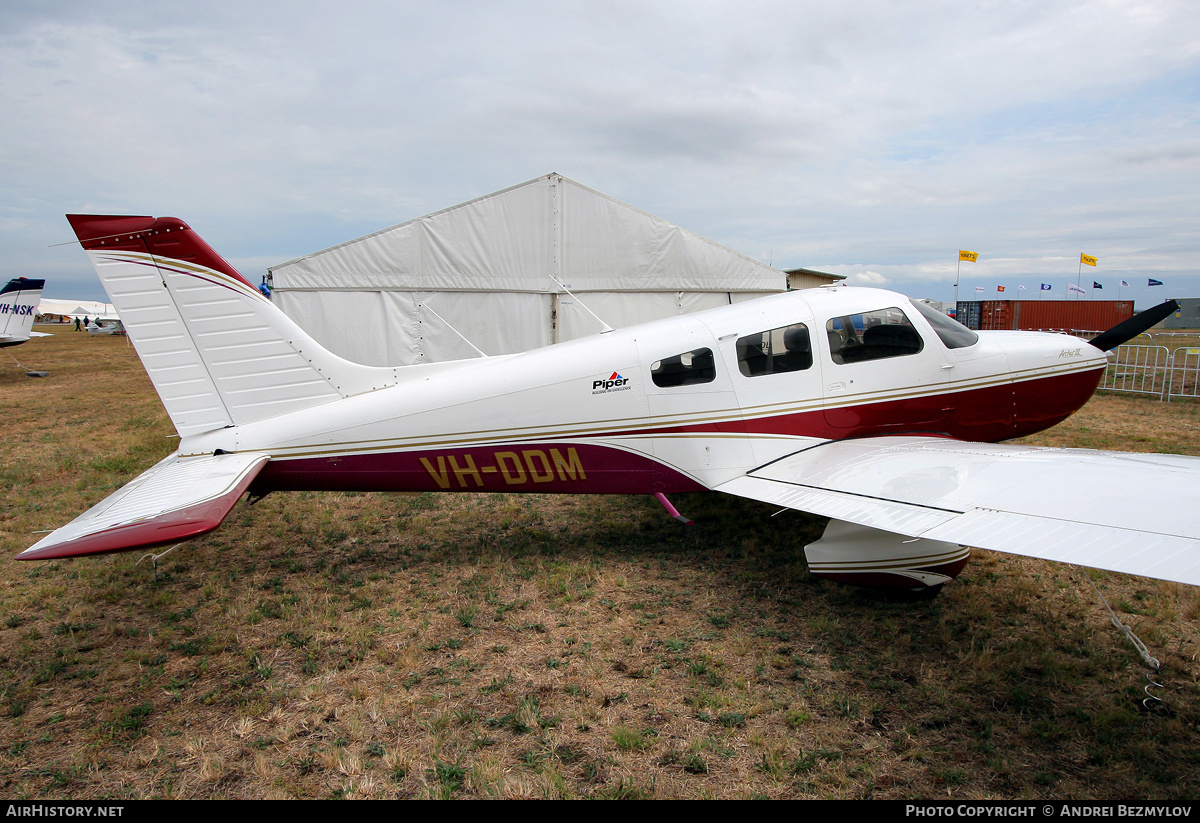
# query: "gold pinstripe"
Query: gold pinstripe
{"points": [[142, 258], [618, 425]]}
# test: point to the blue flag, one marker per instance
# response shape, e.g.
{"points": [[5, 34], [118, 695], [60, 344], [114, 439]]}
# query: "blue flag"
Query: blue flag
{"points": [[1154, 282], [1045, 287], [1096, 285]]}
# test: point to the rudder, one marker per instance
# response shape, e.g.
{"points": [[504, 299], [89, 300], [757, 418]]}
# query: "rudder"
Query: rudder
{"points": [[218, 352]]}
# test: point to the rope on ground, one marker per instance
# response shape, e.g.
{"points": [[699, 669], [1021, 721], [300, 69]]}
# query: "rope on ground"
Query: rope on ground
{"points": [[154, 558], [1151, 701]]}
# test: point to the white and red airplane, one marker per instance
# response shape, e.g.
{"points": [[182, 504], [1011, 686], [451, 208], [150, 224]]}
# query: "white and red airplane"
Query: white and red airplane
{"points": [[856, 404], [18, 308]]}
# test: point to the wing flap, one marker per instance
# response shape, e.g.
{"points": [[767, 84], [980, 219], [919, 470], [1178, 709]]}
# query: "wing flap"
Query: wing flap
{"points": [[886, 515], [177, 499], [1132, 513], [1131, 551]]}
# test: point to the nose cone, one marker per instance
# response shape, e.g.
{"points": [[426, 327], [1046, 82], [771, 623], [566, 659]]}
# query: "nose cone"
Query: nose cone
{"points": [[1053, 376]]}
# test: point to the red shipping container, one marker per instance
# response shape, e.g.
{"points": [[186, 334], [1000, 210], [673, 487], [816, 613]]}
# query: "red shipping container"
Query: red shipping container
{"points": [[1057, 315]]}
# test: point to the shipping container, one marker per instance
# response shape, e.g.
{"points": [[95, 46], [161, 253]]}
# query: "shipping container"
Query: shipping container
{"points": [[1188, 316], [1058, 315]]}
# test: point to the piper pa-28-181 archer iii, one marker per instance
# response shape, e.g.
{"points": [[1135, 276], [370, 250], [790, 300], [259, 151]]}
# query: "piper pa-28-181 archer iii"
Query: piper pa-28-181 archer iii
{"points": [[856, 404]]}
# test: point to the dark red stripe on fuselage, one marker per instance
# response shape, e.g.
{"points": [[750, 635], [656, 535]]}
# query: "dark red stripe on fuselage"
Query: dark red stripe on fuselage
{"points": [[988, 414], [984, 415], [571, 468]]}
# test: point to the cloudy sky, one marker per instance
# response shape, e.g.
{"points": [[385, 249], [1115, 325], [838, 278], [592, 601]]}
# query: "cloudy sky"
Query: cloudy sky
{"points": [[874, 139]]}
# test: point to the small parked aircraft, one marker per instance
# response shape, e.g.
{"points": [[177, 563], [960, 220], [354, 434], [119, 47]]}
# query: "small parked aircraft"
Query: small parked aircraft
{"points": [[856, 404], [105, 325], [18, 308]]}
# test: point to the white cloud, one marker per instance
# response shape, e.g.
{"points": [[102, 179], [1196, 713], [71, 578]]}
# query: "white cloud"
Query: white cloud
{"points": [[873, 138], [866, 278]]}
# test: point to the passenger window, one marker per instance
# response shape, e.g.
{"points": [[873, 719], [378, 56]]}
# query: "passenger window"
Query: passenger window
{"points": [[874, 335], [785, 349], [684, 369]]}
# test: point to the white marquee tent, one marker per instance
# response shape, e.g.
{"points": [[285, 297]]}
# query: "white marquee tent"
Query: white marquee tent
{"points": [[501, 270], [73, 308]]}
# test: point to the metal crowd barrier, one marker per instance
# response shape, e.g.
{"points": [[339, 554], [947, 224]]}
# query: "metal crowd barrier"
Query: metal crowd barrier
{"points": [[1166, 373], [1139, 370], [1185, 372]]}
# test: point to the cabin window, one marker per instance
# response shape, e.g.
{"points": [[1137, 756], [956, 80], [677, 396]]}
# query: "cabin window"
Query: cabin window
{"points": [[785, 349], [954, 334], [873, 335], [685, 369]]}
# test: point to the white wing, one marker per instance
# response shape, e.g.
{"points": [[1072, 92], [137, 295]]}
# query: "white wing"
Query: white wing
{"points": [[1132, 513]]}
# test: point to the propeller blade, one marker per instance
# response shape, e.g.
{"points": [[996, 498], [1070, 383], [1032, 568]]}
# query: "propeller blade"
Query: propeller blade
{"points": [[1131, 328]]}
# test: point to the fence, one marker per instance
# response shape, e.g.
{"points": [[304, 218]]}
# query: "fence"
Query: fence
{"points": [[1166, 371], [1165, 365], [1185, 373], [1139, 370]]}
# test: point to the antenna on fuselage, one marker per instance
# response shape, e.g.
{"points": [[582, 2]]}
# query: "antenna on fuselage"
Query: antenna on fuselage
{"points": [[425, 307], [559, 283]]}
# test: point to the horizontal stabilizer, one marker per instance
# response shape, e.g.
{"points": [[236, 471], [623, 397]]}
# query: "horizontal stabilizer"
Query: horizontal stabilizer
{"points": [[1018, 499], [177, 499]]}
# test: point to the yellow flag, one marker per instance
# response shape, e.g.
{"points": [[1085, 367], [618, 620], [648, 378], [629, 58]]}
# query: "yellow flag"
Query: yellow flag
{"points": [[968, 255], [1087, 259]]}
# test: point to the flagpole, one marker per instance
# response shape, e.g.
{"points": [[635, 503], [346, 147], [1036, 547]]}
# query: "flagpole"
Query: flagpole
{"points": [[957, 274]]}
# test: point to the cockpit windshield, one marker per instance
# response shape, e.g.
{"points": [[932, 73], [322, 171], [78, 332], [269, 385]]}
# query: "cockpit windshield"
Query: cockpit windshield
{"points": [[954, 334]]}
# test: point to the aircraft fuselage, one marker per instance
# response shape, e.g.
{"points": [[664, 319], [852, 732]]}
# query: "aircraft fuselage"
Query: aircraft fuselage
{"points": [[676, 405]]}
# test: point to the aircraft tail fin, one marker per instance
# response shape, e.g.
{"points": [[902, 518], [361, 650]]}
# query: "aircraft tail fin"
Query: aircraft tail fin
{"points": [[18, 307], [218, 352]]}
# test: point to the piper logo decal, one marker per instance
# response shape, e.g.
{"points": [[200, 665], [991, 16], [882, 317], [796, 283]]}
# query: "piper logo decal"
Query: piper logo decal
{"points": [[528, 466], [614, 383]]}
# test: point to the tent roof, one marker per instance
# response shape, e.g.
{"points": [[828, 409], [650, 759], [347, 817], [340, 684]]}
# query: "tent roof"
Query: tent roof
{"points": [[91, 308], [517, 238]]}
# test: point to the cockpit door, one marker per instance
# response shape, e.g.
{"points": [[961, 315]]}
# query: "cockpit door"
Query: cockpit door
{"points": [[778, 383], [882, 374]]}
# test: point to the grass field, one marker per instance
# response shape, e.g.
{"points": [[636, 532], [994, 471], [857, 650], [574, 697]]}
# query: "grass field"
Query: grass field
{"points": [[520, 646]]}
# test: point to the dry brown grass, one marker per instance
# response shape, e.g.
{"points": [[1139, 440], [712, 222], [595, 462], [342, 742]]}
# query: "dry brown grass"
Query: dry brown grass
{"points": [[343, 645]]}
